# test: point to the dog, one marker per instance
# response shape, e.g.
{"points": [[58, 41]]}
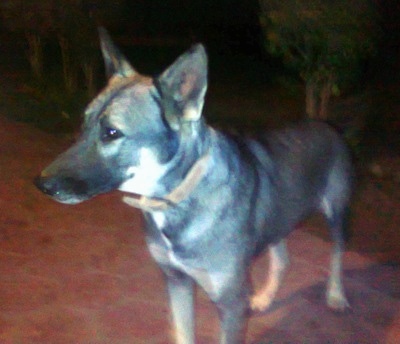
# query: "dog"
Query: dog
{"points": [[211, 201]]}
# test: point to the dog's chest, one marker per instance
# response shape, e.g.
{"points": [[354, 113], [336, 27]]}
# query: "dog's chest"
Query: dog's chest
{"points": [[164, 253], [160, 246]]}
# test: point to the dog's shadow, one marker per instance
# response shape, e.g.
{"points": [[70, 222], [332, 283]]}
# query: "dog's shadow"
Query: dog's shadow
{"points": [[374, 316]]}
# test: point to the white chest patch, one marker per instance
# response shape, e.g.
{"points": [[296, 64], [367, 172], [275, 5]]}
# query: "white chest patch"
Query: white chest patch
{"points": [[145, 175], [158, 218]]}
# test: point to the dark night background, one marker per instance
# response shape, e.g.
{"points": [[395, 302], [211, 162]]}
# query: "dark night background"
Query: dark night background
{"points": [[231, 27], [227, 28], [227, 24], [154, 32]]}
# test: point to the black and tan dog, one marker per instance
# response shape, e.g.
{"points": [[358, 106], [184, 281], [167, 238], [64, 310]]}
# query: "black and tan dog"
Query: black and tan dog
{"points": [[212, 202]]}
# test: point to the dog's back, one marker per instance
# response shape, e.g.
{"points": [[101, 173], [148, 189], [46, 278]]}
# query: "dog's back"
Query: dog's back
{"points": [[293, 172], [311, 168]]}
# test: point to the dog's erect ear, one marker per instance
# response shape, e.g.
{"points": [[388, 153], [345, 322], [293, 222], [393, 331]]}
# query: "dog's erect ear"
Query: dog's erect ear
{"points": [[115, 61], [183, 87]]}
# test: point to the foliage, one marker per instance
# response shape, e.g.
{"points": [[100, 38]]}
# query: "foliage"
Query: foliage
{"points": [[28, 15], [34, 20], [322, 40], [70, 25]]}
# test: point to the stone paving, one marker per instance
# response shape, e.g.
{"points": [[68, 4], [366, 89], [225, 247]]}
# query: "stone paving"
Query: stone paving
{"points": [[82, 274]]}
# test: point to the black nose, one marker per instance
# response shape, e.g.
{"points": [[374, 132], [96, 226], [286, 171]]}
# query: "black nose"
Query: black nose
{"points": [[61, 186], [42, 183]]}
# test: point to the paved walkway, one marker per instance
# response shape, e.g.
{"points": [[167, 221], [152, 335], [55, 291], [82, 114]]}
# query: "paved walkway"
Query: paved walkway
{"points": [[82, 274]]}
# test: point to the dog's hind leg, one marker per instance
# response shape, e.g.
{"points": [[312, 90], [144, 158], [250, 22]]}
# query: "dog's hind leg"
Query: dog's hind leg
{"points": [[335, 296], [279, 260], [335, 206], [180, 290]]}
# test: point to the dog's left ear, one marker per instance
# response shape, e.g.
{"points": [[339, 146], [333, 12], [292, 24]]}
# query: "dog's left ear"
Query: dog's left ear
{"points": [[183, 87], [115, 61]]}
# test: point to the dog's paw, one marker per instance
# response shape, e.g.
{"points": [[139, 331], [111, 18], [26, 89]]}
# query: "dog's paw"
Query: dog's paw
{"points": [[260, 302], [337, 303]]}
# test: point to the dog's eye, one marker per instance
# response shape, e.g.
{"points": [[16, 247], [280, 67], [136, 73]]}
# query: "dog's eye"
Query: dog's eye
{"points": [[111, 134]]}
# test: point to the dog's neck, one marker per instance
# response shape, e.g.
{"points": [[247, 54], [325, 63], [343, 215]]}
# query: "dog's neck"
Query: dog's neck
{"points": [[181, 192]]}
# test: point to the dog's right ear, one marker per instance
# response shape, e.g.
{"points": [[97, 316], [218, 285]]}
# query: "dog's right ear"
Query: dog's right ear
{"points": [[115, 62]]}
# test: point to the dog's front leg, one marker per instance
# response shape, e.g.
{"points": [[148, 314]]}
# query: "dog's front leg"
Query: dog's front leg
{"points": [[232, 312], [180, 290]]}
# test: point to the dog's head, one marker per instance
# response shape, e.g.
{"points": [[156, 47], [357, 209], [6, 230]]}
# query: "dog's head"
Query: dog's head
{"points": [[132, 130]]}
